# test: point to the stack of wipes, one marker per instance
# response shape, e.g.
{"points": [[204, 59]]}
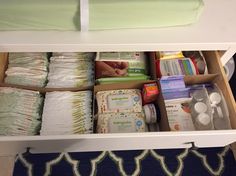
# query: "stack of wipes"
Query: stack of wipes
{"points": [[120, 111], [112, 67], [67, 113], [28, 69], [20, 111], [71, 70]]}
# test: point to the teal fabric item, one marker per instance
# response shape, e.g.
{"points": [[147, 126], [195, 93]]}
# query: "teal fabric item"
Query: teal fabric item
{"points": [[103, 14]]}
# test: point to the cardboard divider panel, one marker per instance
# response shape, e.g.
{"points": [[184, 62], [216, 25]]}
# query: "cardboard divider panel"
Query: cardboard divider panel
{"points": [[124, 85], [164, 124], [3, 65]]}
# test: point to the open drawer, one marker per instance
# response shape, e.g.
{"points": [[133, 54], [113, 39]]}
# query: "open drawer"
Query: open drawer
{"points": [[131, 141]]}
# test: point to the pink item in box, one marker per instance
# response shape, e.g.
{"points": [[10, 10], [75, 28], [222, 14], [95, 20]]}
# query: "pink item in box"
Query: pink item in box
{"points": [[150, 92]]}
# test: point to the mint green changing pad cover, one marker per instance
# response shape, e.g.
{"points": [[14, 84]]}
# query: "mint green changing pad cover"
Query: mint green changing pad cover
{"points": [[39, 15], [103, 14]]}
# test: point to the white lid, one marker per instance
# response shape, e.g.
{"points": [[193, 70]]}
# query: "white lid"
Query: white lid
{"points": [[215, 98], [150, 113], [200, 107], [147, 114], [204, 119], [199, 95]]}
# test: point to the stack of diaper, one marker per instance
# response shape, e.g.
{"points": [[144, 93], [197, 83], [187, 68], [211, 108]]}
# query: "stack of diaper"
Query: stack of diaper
{"points": [[20, 111], [71, 70], [67, 113], [28, 69]]}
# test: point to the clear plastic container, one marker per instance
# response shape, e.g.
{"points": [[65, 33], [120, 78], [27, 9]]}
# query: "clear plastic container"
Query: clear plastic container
{"points": [[201, 110], [219, 108]]}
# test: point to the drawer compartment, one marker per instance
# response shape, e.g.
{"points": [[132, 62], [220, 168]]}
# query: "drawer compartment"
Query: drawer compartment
{"points": [[131, 141]]}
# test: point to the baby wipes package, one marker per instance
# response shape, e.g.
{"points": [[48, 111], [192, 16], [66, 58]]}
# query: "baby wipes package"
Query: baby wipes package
{"points": [[121, 123], [120, 111], [125, 100], [119, 66]]}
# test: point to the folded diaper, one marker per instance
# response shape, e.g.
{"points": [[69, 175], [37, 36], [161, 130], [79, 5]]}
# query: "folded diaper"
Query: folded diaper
{"points": [[71, 70], [121, 123], [20, 111], [67, 113], [125, 100], [28, 69]]}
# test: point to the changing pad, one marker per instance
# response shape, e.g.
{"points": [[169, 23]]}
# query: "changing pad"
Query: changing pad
{"points": [[102, 14], [39, 15], [113, 14]]}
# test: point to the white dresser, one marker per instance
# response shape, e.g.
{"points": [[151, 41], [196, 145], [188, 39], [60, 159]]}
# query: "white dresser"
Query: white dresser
{"points": [[215, 31]]}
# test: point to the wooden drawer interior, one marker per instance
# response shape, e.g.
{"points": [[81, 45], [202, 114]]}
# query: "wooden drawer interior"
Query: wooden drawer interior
{"points": [[216, 75], [127, 141]]}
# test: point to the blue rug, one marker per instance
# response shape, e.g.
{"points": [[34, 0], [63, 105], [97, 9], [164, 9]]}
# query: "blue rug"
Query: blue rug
{"points": [[201, 162]]}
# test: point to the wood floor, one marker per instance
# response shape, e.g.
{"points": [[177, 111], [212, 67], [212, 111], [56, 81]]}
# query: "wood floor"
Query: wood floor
{"points": [[6, 165]]}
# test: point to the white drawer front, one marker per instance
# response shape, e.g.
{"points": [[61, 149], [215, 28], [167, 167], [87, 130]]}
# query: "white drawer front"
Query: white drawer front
{"points": [[101, 142]]}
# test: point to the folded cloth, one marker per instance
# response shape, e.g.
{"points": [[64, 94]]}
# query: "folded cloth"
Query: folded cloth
{"points": [[67, 113], [71, 70], [28, 69], [20, 111]]}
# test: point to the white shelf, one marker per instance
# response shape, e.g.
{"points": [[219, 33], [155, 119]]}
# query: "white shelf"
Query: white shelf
{"points": [[215, 30]]}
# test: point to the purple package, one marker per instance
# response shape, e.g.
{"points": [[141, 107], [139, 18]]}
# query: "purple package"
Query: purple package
{"points": [[175, 94], [172, 82], [173, 87]]}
